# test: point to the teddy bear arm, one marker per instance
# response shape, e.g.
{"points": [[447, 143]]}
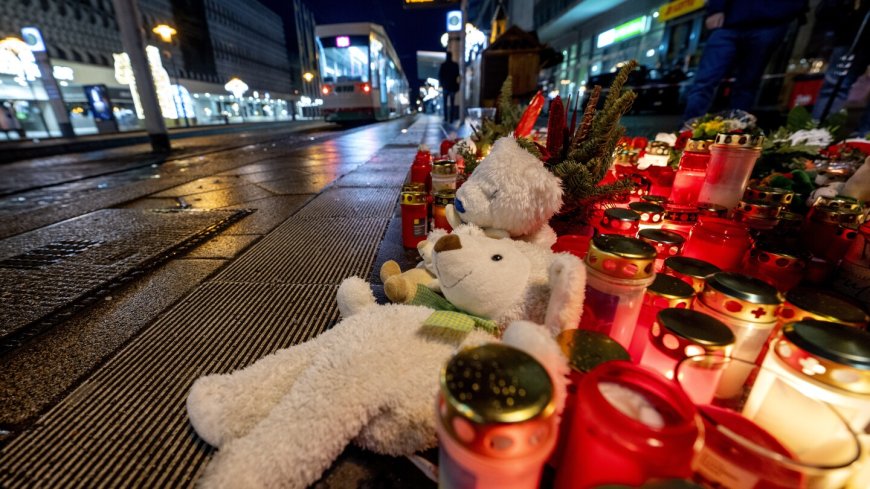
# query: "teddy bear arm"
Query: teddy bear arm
{"points": [[222, 407]]}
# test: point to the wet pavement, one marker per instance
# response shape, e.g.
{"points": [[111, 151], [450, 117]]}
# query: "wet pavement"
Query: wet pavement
{"points": [[116, 370]]}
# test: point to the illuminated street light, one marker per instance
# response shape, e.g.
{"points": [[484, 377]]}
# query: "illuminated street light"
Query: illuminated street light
{"points": [[308, 76], [164, 31], [237, 88]]}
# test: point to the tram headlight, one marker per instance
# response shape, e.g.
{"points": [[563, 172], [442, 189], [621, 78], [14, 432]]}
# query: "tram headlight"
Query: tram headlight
{"points": [[325, 90], [366, 88]]}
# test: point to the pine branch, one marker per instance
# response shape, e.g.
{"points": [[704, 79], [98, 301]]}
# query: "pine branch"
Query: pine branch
{"points": [[588, 114], [556, 127]]}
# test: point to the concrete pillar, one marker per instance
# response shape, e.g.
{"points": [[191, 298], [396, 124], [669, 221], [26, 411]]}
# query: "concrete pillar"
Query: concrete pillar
{"points": [[127, 15]]}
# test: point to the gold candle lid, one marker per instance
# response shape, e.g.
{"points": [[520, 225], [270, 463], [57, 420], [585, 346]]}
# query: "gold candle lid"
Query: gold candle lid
{"points": [[413, 198], [831, 353], [690, 270], [831, 214], [655, 199], [681, 333], [649, 212], [789, 221], [620, 214], [586, 350], [774, 254], [681, 213], [669, 291], [414, 187], [699, 145], [444, 197], [713, 210], [738, 141], [495, 383], [621, 257], [757, 209], [841, 202], [772, 195], [626, 155], [741, 297], [444, 167], [806, 303], [661, 236]]}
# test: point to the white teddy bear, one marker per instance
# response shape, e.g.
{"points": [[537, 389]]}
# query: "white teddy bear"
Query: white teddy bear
{"points": [[372, 379], [510, 194]]}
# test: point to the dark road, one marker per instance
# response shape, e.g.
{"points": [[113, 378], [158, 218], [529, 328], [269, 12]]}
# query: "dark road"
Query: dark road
{"points": [[125, 276]]}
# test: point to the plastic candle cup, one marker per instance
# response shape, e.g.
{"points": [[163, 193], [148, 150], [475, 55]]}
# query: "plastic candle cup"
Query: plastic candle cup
{"points": [[666, 243], [650, 214], [665, 291], [630, 425], [746, 305], [721, 242], [584, 350], [415, 218], [680, 333], [421, 168], [690, 172], [690, 270], [495, 424], [439, 209], [620, 221], [821, 225], [732, 157], [680, 219], [618, 271]]}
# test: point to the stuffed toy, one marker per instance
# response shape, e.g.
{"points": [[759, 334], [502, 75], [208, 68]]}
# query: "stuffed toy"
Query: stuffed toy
{"points": [[510, 194], [373, 377]]}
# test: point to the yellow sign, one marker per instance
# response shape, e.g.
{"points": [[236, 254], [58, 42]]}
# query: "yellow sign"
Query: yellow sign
{"points": [[679, 7]]}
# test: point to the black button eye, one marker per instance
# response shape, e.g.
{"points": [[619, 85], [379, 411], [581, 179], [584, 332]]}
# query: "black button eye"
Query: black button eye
{"points": [[496, 257]]}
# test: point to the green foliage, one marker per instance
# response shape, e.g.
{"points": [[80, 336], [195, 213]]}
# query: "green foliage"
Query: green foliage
{"points": [[799, 118], [530, 146]]}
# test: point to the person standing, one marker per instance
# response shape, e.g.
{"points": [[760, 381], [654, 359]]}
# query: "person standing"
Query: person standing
{"points": [[448, 77], [743, 38]]}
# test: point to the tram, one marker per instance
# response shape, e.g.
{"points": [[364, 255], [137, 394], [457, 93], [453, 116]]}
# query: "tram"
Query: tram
{"points": [[361, 73]]}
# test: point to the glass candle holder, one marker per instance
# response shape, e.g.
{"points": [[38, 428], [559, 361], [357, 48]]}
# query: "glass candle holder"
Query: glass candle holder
{"points": [[820, 226], [500, 433], [443, 176], [680, 218], [690, 270], [661, 179], [722, 242], [619, 269], [844, 236], [650, 214], [421, 168], [766, 449], [665, 292], [691, 172], [679, 333], [777, 265], [732, 158], [584, 350], [620, 221], [859, 250], [827, 361], [666, 243], [630, 425], [746, 305], [415, 218], [439, 209]]}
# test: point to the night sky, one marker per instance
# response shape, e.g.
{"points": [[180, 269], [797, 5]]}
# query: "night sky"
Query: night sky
{"points": [[410, 30]]}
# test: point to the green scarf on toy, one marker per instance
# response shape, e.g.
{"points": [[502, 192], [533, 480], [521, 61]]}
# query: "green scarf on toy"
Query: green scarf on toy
{"points": [[447, 315]]}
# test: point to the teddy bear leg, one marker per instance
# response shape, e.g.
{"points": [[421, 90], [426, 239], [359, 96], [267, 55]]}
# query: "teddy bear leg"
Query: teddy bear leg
{"points": [[222, 407], [389, 269], [300, 438]]}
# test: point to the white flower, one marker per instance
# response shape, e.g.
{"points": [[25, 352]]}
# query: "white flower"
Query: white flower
{"points": [[667, 137], [811, 366], [812, 137]]}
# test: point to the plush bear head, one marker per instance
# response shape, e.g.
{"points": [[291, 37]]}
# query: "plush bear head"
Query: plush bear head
{"points": [[510, 191], [480, 275]]}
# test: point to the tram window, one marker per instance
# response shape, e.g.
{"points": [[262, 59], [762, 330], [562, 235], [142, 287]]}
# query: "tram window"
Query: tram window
{"points": [[345, 59]]}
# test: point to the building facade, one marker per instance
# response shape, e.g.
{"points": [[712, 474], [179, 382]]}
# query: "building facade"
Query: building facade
{"points": [[216, 41]]}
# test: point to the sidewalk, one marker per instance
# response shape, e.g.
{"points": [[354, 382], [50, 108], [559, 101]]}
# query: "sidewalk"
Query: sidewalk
{"points": [[20, 149], [126, 425]]}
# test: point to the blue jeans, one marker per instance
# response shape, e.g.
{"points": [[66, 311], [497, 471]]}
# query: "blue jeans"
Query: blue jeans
{"points": [[746, 52]]}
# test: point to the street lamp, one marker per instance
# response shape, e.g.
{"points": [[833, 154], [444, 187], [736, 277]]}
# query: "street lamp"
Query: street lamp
{"points": [[166, 32], [308, 76]]}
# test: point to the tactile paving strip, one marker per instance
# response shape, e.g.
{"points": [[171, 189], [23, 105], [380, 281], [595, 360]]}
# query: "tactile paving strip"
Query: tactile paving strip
{"points": [[130, 241], [372, 179], [351, 202], [91, 439], [301, 251]]}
